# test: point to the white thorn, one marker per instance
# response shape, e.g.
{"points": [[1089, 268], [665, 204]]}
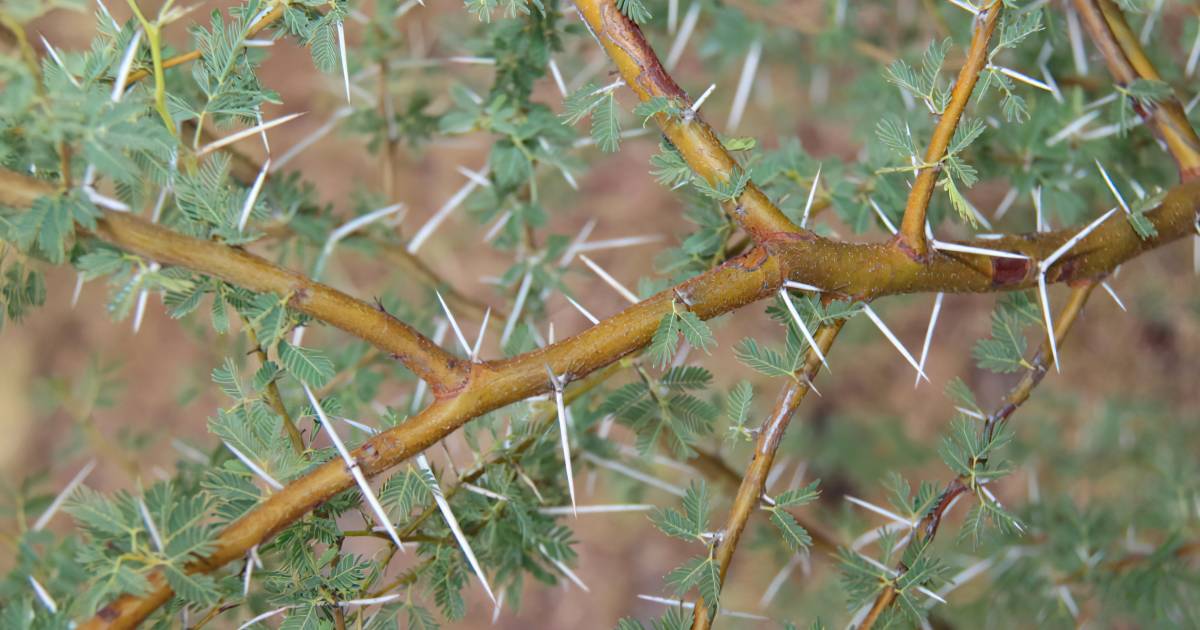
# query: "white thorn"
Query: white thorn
{"points": [[1074, 240], [263, 617], [1073, 127], [482, 331], [778, 581], [672, 15], [341, 33], [971, 249], [478, 177], [312, 138], [1048, 319], [150, 527], [882, 217], [346, 229], [966, 575], [792, 284], [498, 225], [703, 97], [126, 62], [557, 383], [370, 601], [683, 35], [518, 305], [355, 471], [558, 79], [78, 289], [254, 468], [690, 605], [1151, 20], [933, 318], [61, 497], [812, 194], [580, 239], [879, 510], [812, 343], [462, 339], [103, 201], [104, 10], [1023, 78], [230, 139], [248, 205], [1065, 595], [1039, 220], [965, 6], [43, 596], [892, 338], [59, 62], [1113, 187], [1193, 55], [1075, 33], [447, 514], [432, 224], [634, 473], [595, 509], [609, 280], [617, 243], [470, 487], [1113, 294], [565, 569], [579, 307], [745, 82]]}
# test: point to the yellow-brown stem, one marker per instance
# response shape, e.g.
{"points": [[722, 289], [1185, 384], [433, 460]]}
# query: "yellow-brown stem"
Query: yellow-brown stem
{"points": [[750, 493], [912, 226], [1127, 62], [696, 141]]}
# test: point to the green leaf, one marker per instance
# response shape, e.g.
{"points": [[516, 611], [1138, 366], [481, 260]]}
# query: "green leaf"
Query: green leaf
{"points": [[308, 365], [196, 588], [695, 331], [1142, 225], [634, 10], [606, 129], [665, 340], [763, 360], [796, 537], [655, 106], [799, 496], [687, 377]]}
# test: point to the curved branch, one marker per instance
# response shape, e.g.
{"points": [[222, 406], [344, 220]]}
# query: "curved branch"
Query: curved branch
{"points": [[912, 226], [694, 138], [440, 369], [754, 481]]}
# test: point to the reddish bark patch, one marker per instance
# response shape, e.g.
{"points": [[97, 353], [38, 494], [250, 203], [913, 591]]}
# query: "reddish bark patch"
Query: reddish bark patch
{"points": [[1008, 271]]}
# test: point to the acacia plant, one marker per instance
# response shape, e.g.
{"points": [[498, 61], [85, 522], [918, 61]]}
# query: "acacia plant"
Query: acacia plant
{"points": [[1022, 149]]}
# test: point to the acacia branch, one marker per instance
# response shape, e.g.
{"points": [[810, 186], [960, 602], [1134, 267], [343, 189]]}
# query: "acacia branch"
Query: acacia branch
{"points": [[695, 139], [927, 528], [912, 226], [441, 370], [1127, 62], [754, 480], [855, 270]]}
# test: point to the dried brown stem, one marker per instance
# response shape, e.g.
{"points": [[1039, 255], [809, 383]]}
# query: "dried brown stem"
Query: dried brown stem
{"points": [[912, 226], [754, 480]]}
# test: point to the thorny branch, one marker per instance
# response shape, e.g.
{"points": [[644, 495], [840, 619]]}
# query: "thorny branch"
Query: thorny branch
{"points": [[1127, 62], [927, 528], [754, 480], [466, 391], [912, 226]]}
